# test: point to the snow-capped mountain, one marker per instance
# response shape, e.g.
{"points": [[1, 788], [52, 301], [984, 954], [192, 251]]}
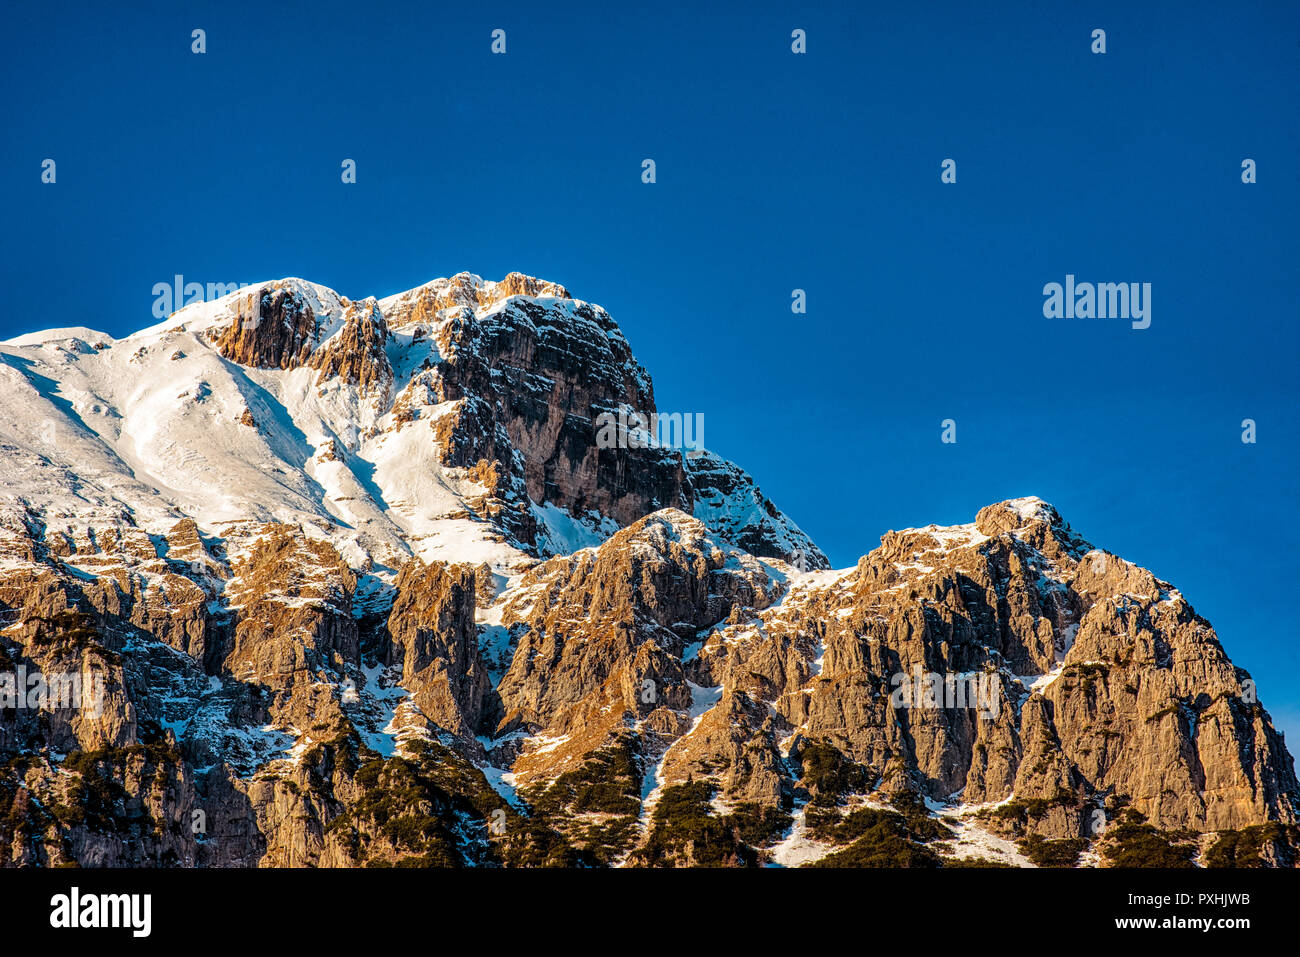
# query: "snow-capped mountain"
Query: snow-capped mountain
{"points": [[452, 421], [355, 582]]}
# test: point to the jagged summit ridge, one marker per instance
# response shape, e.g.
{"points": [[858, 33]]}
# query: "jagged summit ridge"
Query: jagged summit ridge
{"points": [[456, 416]]}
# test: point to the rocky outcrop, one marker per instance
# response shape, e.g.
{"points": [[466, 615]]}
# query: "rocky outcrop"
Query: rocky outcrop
{"points": [[273, 329], [292, 603], [424, 304], [357, 353], [435, 640], [530, 378]]}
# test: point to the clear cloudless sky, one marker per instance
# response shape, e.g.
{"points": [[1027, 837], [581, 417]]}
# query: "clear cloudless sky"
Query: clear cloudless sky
{"points": [[775, 171]]}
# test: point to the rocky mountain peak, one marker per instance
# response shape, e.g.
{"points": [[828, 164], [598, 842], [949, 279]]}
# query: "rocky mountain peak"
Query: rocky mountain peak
{"points": [[463, 291], [356, 579], [1018, 514]]}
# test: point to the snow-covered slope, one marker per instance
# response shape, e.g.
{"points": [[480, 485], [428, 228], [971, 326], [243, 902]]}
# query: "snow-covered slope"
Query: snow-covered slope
{"points": [[249, 409]]}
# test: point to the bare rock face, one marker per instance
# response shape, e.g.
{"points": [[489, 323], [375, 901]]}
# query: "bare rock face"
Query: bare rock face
{"points": [[1136, 689], [601, 634], [133, 814], [530, 378], [434, 637], [1147, 705], [357, 353], [737, 741], [530, 371], [274, 329], [464, 290], [293, 603]]}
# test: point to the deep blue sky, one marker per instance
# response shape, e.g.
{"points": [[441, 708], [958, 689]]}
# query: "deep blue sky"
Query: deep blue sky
{"points": [[775, 171]]}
